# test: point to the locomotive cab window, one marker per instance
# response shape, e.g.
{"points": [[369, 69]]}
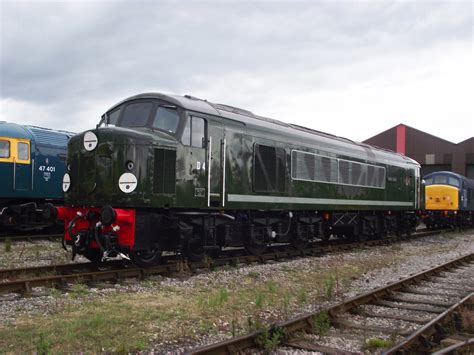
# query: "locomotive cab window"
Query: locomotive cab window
{"points": [[113, 117], [4, 149], [166, 119], [23, 151], [454, 182], [269, 169], [194, 132], [441, 179], [154, 114], [136, 114]]}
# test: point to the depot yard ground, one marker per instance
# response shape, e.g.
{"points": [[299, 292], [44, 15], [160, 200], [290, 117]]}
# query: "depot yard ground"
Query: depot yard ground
{"points": [[24, 253], [173, 314]]}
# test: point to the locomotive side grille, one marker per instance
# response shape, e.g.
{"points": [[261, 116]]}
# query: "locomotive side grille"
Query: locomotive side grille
{"points": [[164, 171], [269, 169]]}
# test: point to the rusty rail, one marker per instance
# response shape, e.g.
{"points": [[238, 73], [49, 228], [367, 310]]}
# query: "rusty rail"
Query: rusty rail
{"points": [[419, 338], [30, 237], [25, 285], [305, 322]]}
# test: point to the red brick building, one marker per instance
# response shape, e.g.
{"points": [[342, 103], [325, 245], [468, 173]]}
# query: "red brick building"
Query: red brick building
{"points": [[433, 153]]}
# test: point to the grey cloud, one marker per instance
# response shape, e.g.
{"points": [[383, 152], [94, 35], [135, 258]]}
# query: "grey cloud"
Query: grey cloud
{"points": [[63, 56]]}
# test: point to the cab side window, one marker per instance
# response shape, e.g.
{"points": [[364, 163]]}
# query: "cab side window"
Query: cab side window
{"points": [[4, 149], [23, 151], [197, 132], [194, 132], [166, 119]]}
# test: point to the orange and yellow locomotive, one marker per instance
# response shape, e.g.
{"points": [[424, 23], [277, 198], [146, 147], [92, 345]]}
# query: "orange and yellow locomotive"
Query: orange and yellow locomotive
{"points": [[449, 200]]}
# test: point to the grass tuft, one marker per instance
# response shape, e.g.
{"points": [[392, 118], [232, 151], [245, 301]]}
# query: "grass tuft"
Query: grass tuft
{"points": [[79, 290], [329, 284], [270, 339], [8, 245], [322, 323], [376, 343], [43, 345]]}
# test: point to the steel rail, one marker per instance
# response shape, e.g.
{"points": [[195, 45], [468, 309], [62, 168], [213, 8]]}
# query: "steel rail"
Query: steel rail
{"points": [[469, 344], [30, 238], [24, 285], [420, 335], [306, 322], [54, 268]]}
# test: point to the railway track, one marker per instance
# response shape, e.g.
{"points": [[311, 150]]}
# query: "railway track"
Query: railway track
{"points": [[447, 333], [414, 313], [30, 237], [23, 280]]}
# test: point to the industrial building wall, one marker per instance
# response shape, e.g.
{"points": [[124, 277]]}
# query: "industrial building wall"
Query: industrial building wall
{"points": [[433, 153]]}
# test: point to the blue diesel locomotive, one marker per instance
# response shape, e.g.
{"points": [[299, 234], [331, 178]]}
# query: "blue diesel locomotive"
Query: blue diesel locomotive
{"points": [[32, 164]]}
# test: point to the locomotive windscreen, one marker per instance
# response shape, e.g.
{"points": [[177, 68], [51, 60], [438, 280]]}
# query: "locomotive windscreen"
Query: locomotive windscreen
{"points": [[145, 114], [136, 114]]}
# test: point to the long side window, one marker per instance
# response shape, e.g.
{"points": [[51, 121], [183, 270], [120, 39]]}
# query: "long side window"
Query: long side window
{"points": [[269, 169], [360, 174], [316, 168], [194, 132], [4, 149], [312, 167]]}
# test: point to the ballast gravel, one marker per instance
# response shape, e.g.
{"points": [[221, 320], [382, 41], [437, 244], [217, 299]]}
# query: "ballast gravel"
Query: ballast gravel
{"points": [[35, 253], [380, 310], [403, 259]]}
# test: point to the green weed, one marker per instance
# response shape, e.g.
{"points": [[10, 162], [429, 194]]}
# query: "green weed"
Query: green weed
{"points": [[259, 300], [269, 339], [376, 343], [302, 296], [286, 301], [8, 245], [322, 323], [78, 290], [43, 345], [215, 300], [329, 284]]}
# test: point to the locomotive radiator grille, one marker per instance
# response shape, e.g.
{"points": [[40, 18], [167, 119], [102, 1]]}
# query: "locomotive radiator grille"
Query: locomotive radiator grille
{"points": [[164, 171]]}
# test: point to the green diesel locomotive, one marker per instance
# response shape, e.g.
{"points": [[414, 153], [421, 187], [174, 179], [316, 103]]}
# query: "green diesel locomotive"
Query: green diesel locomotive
{"points": [[172, 173]]}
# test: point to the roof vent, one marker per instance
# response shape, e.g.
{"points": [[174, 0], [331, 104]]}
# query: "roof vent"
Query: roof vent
{"points": [[190, 97]]}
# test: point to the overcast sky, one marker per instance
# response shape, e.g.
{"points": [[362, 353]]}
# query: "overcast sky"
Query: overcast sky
{"points": [[351, 68]]}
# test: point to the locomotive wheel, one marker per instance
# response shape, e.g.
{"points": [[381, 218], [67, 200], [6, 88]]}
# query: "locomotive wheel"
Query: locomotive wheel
{"points": [[195, 250], [326, 235], [299, 244], [146, 258], [255, 249]]}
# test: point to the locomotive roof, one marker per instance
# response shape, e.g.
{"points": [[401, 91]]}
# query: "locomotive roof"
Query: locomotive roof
{"points": [[40, 135], [246, 117], [470, 182]]}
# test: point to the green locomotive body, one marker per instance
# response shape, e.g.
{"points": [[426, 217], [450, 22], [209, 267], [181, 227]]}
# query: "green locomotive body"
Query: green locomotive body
{"points": [[193, 177]]}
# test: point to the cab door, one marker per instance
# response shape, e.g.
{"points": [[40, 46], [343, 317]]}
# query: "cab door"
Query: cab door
{"points": [[22, 179], [6, 167], [202, 162], [215, 151], [192, 163]]}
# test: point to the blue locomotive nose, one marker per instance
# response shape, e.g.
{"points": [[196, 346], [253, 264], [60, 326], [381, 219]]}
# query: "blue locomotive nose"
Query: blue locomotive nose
{"points": [[32, 165]]}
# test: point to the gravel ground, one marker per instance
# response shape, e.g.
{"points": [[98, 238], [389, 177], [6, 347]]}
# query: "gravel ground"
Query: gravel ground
{"points": [[402, 259], [35, 253]]}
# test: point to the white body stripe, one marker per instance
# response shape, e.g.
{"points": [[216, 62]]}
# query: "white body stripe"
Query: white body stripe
{"points": [[316, 201]]}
